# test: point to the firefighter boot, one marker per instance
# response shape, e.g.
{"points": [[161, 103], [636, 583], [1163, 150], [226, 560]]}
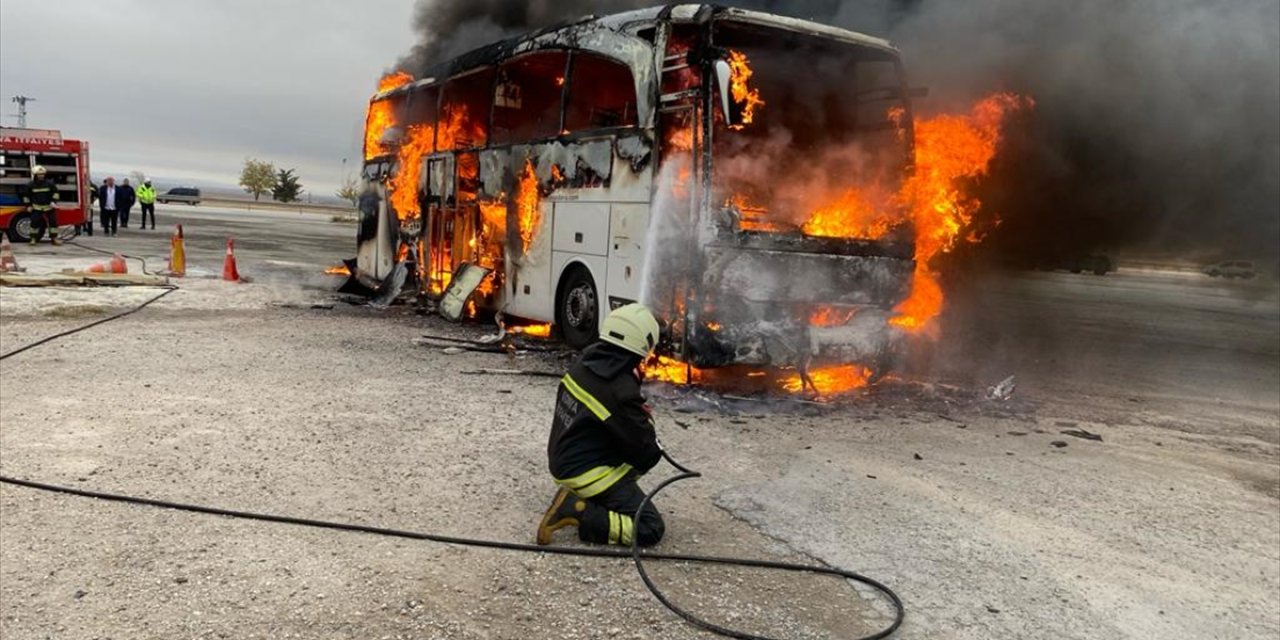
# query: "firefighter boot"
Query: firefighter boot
{"points": [[53, 239], [565, 511]]}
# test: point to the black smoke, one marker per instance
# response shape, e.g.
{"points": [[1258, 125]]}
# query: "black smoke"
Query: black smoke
{"points": [[1157, 125]]}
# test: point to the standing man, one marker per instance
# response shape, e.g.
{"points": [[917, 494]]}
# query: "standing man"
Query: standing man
{"points": [[87, 227], [147, 200], [39, 196], [602, 438], [108, 200], [128, 197]]}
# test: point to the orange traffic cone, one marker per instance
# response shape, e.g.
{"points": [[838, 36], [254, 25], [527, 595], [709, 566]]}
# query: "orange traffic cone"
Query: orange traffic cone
{"points": [[229, 272], [177, 254], [115, 265], [7, 260]]}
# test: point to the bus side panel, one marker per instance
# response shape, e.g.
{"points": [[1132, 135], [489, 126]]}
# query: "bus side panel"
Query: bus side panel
{"points": [[378, 232], [628, 226], [531, 290]]}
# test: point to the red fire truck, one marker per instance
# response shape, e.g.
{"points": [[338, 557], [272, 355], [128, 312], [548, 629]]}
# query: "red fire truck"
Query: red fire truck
{"points": [[66, 163]]}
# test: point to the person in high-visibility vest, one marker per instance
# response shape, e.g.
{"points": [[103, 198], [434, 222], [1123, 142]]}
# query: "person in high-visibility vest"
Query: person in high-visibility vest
{"points": [[39, 196], [602, 438], [147, 198]]}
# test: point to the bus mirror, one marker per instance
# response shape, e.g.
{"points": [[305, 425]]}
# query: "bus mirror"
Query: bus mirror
{"points": [[723, 77]]}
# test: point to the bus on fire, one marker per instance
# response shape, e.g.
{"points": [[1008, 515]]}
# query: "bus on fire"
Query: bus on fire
{"points": [[731, 169]]}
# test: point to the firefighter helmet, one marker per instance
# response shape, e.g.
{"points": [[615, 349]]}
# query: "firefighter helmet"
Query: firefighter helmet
{"points": [[38, 170], [632, 327]]}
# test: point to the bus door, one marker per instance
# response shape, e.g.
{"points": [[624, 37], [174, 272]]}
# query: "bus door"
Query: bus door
{"points": [[453, 222]]}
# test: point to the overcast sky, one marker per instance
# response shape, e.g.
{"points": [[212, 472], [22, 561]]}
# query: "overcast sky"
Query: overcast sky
{"points": [[189, 88]]}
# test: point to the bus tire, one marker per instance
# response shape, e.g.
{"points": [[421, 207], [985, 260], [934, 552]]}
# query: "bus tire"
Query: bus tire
{"points": [[577, 308], [20, 229]]}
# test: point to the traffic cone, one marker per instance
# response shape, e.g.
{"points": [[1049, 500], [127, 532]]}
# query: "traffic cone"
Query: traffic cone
{"points": [[7, 260], [115, 265], [177, 254], [229, 272]]}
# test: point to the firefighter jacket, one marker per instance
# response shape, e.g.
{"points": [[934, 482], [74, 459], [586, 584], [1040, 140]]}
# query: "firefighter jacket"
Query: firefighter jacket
{"points": [[40, 194], [602, 430], [146, 195]]}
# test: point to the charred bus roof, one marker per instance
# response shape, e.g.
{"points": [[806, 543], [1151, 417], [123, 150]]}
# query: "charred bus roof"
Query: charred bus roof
{"points": [[586, 32]]}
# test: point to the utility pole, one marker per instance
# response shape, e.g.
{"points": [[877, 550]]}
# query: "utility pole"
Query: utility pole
{"points": [[22, 109]]}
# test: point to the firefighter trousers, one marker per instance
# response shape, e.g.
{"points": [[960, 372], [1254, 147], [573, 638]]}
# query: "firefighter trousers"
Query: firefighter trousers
{"points": [[609, 517], [45, 219]]}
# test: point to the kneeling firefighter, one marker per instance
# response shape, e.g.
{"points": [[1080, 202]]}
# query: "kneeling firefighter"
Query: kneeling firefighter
{"points": [[602, 438]]}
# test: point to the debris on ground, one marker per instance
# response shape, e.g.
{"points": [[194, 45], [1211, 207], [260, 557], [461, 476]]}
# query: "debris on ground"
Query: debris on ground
{"points": [[1081, 433], [1002, 391]]}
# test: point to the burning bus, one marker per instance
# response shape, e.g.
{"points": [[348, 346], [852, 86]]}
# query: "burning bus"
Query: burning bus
{"points": [[746, 175]]}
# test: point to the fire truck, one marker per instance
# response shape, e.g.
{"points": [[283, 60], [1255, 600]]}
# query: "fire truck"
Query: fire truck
{"points": [[67, 165]]}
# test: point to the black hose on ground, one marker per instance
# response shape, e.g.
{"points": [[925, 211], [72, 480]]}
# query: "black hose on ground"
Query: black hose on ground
{"points": [[168, 289], [638, 556]]}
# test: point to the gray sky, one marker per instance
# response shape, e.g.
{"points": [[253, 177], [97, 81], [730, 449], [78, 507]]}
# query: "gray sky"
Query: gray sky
{"points": [[189, 88]]}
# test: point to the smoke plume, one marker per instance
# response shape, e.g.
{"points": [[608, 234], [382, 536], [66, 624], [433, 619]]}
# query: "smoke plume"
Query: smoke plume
{"points": [[1157, 124]]}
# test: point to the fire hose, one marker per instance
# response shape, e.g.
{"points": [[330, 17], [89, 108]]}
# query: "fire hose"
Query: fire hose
{"points": [[638, 556]]}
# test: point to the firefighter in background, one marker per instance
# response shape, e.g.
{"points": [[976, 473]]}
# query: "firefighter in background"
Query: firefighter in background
{"points": [[147, 198], [40, 195], [602, 438]]}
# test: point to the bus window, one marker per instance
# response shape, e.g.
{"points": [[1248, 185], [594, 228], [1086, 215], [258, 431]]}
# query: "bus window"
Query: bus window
{"points": [[464, 114], [602, 94], [527, 100], [421, 106]]}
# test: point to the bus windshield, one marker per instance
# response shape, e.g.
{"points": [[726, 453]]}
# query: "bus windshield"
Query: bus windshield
{"points": [[816, 147]]}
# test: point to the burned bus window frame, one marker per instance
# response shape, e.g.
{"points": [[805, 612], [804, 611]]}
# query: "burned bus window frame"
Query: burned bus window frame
{"points": [[549, 121], [576, 80], [423, 107], [475, 88]]}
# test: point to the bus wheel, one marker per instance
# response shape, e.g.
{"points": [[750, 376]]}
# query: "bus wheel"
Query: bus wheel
{"points": [[20, 229], [577, 309]]}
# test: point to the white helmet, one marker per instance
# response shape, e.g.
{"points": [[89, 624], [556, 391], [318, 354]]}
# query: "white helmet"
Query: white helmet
{"points": [[633, 328], [38, 170]]}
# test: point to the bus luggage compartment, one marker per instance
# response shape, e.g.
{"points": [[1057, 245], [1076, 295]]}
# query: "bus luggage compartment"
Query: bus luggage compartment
{"points": [[761, 301]]}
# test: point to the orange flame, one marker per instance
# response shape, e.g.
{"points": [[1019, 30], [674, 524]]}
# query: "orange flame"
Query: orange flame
{"points": [[381, 115], [393, 80], [829, 380], [404, 185], [528, 205], [748, 99], [532, 330], [950, 149], [851, 215], [670, 370], [339, 270], [830, 316]]}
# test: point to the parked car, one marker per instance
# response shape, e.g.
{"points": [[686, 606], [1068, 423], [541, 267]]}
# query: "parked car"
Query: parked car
{"points": [[189, 195], [1231, 269]]}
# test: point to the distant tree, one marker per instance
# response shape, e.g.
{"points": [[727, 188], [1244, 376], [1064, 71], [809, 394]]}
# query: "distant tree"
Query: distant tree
{"points": [[137, 177], [349, 191], [287, 188], [258, 177]]}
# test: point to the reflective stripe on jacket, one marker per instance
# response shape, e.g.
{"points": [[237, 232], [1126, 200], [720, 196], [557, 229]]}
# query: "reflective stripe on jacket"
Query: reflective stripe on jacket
{"points": [[40, 194], [601, 431]]}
